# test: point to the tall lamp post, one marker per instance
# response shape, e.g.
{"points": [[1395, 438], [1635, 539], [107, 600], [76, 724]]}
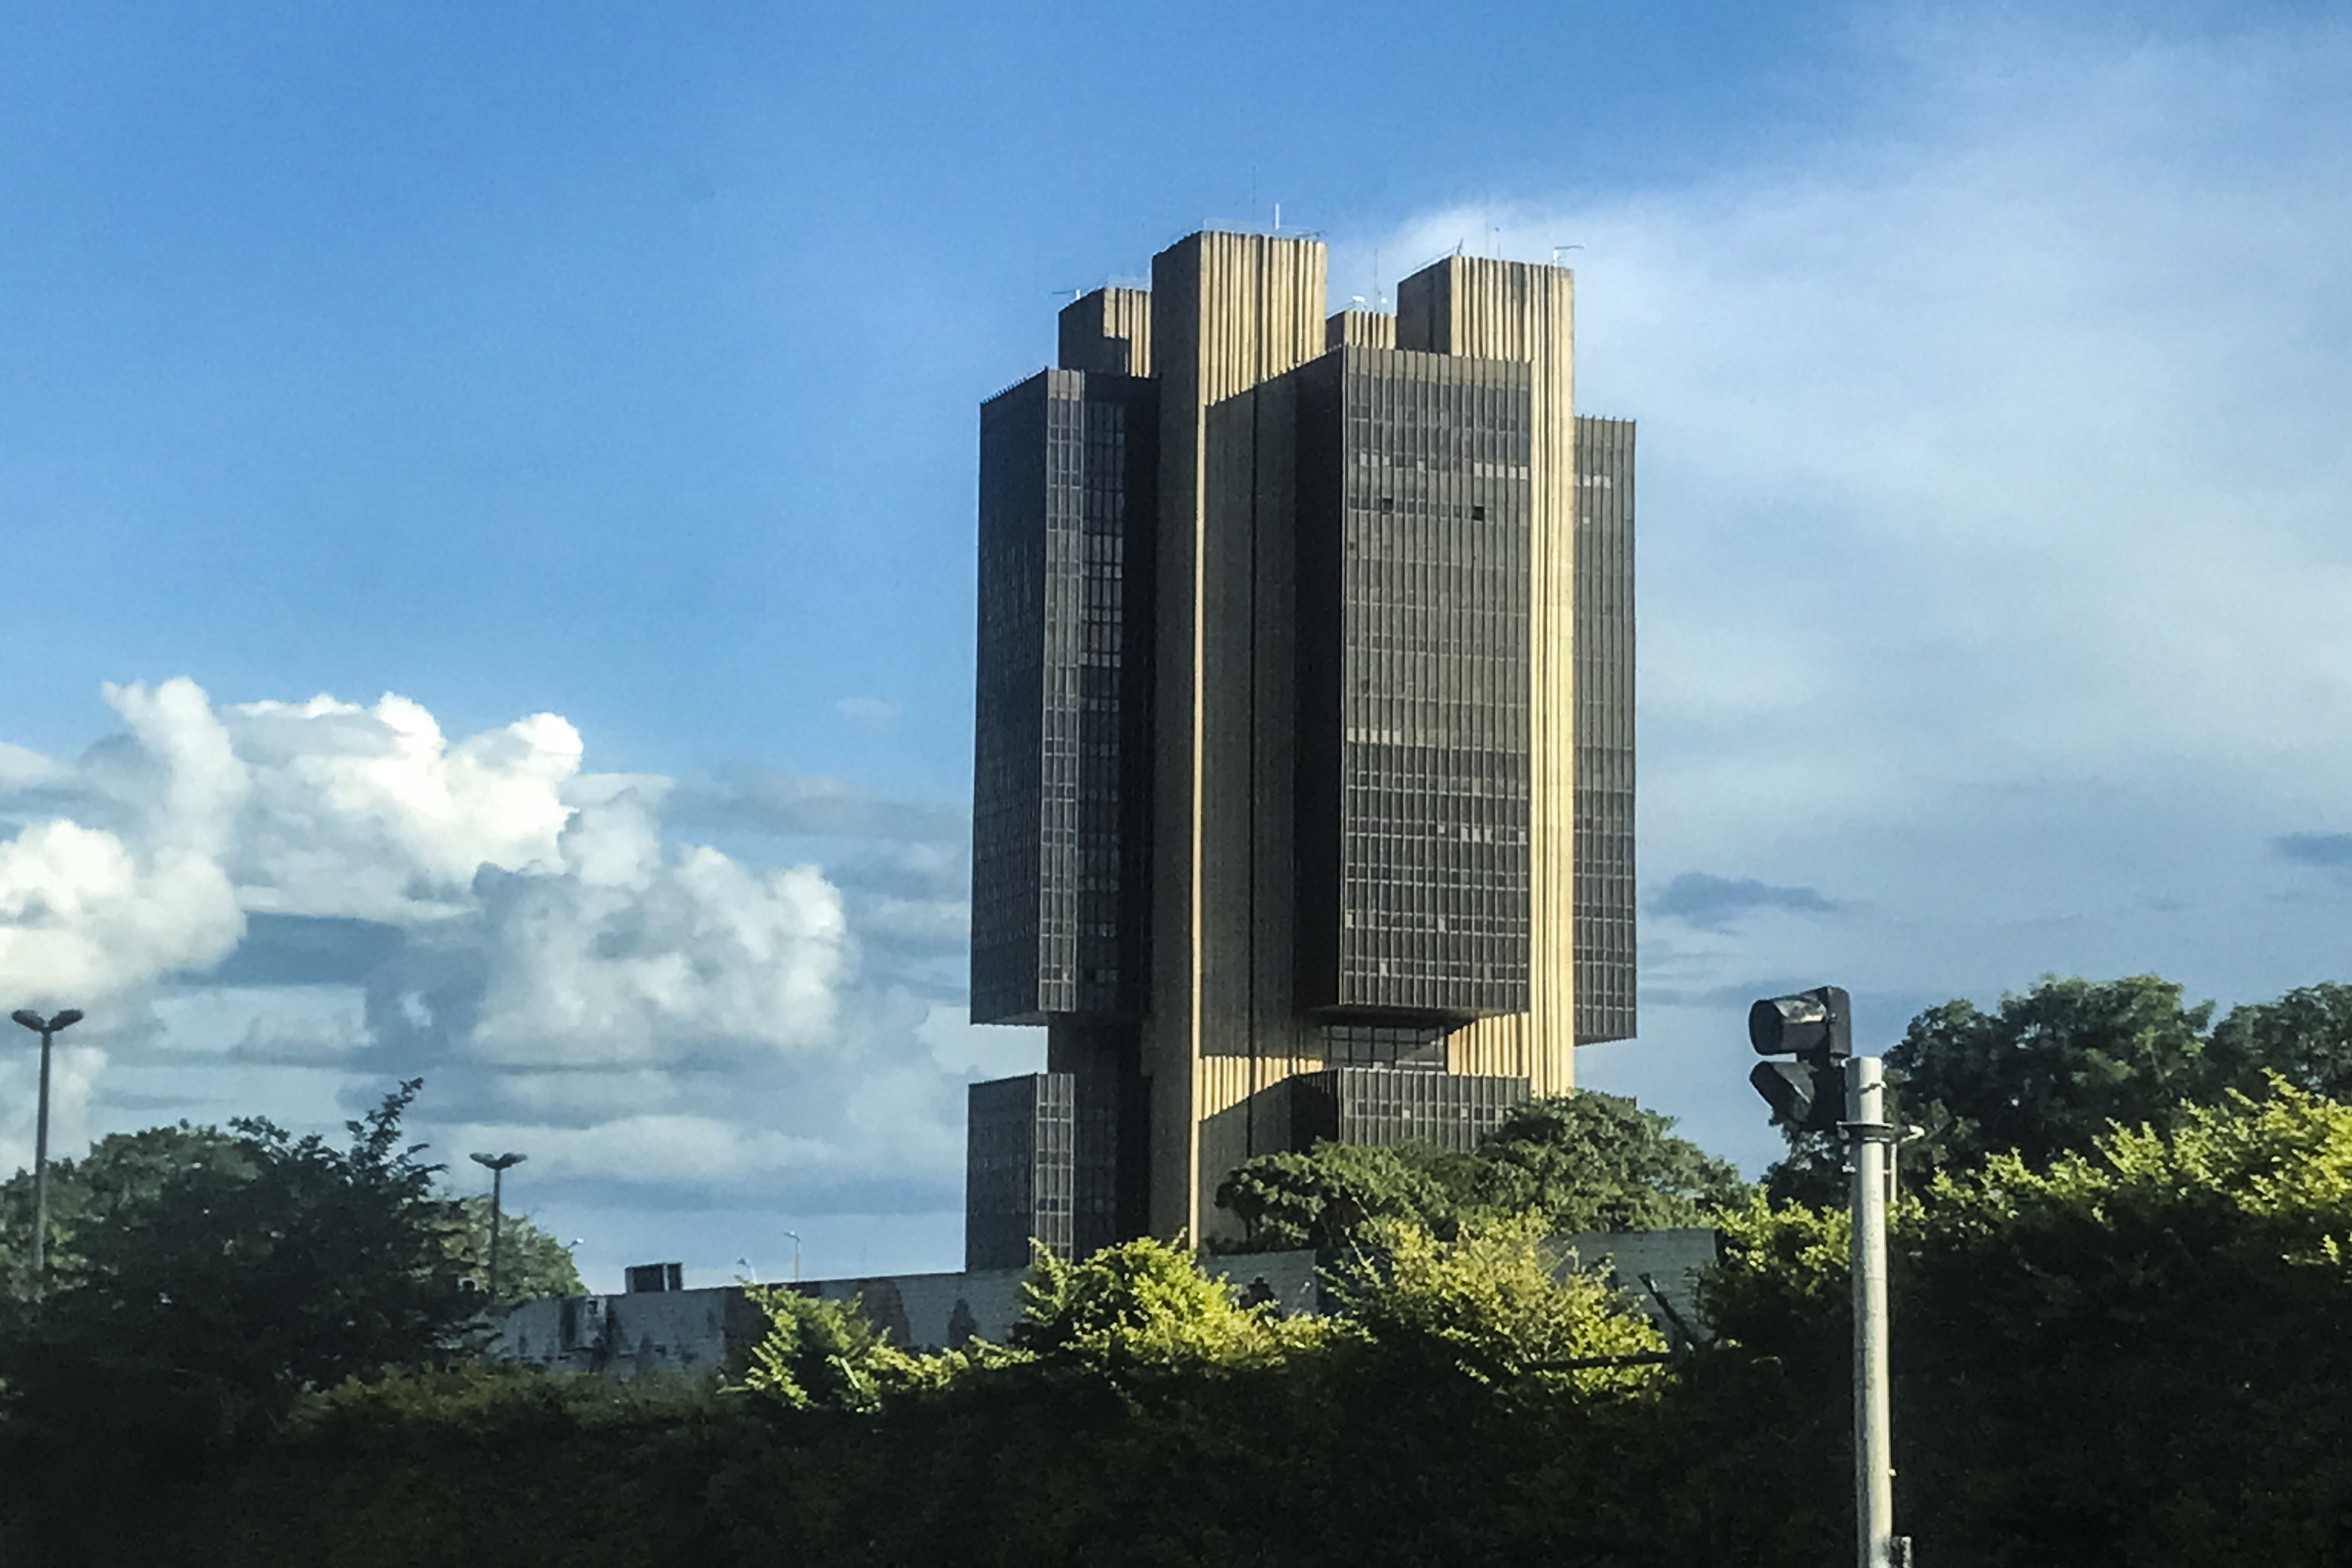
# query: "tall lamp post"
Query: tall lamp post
{"points": [[34, 1022], [498, 1164]]}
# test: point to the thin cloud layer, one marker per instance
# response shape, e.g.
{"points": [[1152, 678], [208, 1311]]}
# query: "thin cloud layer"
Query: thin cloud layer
{"points": [[1713, 903]]}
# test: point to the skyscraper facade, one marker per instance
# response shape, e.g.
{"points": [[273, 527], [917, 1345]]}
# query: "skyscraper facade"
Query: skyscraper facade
{"points": [[1305, 717]]}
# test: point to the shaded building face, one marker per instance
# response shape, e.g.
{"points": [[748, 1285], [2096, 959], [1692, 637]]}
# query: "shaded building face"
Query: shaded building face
{"points": [[1060, 795], [1604, 730], [1413, 771], [1020, 1169]]}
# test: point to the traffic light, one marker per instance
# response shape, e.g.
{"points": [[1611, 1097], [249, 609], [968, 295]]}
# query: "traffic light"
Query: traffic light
{"points": [[1816, 1028]]}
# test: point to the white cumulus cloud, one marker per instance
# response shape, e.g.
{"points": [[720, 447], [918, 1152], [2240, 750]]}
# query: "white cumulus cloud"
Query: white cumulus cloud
{"points": [[630, 952], [260, 904], [373, 811]]}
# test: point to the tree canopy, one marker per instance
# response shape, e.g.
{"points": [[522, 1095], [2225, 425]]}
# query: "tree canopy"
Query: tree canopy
{"points": [[1580, 1161], [2304, 1037], [117, 1180], [532, 1263], [2125, 1354], [2051, 1072], [1591, 1161], [203, 1278]]}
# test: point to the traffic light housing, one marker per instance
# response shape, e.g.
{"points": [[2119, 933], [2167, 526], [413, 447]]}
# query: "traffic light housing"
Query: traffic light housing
{"points": [[1815, 1027]]}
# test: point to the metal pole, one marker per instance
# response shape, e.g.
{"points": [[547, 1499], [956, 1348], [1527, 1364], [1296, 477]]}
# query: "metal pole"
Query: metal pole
{"points": [[1872, 1141], [41, 1176], [497, 1182], [497, 1164]]}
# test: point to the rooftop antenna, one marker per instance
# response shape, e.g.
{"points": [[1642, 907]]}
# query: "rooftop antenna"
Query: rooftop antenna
{"points": [[1277, 218]]}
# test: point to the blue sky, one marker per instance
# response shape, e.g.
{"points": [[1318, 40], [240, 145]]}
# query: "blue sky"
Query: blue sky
{"points": [[488, 493]]}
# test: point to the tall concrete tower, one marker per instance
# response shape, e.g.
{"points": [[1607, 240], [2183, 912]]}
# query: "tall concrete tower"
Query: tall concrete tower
{"points": [[1303, 779]]}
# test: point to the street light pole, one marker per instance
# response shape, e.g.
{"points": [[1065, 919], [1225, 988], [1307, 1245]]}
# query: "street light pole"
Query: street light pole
{"points": [[1874, 1134], [34, 1021], [796, 1254], [498, 1164]]}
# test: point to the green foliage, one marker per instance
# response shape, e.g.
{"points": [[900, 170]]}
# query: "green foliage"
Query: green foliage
{"points": [[1497, 1303], [1784, 1288], [2045, 1074], [2124, 1354], [1591, 1161], [1331, 1195], [2050, 1072], [826, 1353], [1587, 1161], [1145, 1311], [220, 1278], [469, 1464], [122, 1173], [2304, 1037], [488, 1403], [532, 1263], [2159, 1310]]}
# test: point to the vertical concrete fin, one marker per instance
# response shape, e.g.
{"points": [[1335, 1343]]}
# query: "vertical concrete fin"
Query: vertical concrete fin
{"points": [[1360, 329], [1518, 311], [1109, 331], [1228, 312]]}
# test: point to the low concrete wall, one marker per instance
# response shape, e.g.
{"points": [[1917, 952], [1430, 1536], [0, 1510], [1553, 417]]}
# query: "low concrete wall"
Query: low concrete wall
{"points": [[1650, 1265], [933, 1311], [697, 1333], [629, 1335], [700, 1331]]}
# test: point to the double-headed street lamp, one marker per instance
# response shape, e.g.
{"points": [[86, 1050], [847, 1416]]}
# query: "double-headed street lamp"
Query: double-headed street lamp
{"points": [[45, 1028], [498, 1164]]}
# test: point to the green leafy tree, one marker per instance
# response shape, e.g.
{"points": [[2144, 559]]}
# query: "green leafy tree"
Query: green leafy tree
{"points": [[1498, 1302], [1591, 1161], [2045, 1074], [2160, 1308], [121, 1173], [2120, 1355], [532, 1263], [2304, 1037], [1327, 1196], [828, 1354], [213, 1290], [1144, 1310], [1587, 1161]]}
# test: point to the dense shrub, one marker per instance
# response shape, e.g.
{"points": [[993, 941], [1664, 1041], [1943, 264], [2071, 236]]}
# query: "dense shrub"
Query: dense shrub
{"points": [[2122, 1354]]}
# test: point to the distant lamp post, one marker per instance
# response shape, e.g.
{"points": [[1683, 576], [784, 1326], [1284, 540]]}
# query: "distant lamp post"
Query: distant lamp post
{"points": [[498, 1164], [796, 1254], [34, 1022]]}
